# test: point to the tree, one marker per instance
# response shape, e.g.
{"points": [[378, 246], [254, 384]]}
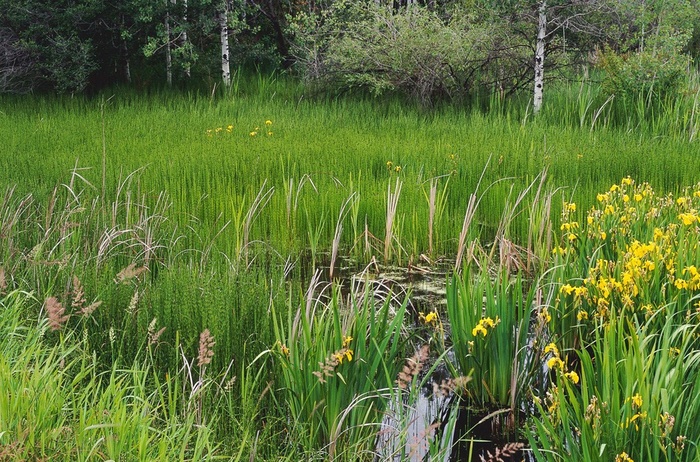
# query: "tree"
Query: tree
{"points": [[54, 39], [16, 65], [539, 56], [225, 51]]}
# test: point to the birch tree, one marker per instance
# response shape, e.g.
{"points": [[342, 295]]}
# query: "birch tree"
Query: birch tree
{"points": [[225, 50], [539, 55]]}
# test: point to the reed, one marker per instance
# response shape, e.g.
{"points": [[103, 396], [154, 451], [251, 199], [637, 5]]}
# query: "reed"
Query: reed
{"points": [[331, 353], [392, 202]]}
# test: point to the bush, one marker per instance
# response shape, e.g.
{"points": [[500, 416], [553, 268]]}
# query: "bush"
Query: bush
{"points": [[648, 74], [411, 51]]}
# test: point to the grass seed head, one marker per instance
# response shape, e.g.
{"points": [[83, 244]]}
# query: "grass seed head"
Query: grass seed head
{"points": [[412, 367], [3, 281], [56, 313], [206, 348]]}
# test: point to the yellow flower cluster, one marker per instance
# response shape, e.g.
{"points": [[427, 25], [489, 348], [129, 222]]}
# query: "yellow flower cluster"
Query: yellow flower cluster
{"points": [[556, 363], [623, 457], [393, 168], [636, 402], [644, 234], [219, 130], [484, 325], [430, 318], [268, 126]]}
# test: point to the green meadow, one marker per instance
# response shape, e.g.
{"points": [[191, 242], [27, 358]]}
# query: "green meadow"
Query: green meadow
{"points": [[199, 276]]}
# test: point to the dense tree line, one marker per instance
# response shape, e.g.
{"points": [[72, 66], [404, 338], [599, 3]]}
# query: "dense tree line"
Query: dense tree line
{"points": [[429, 49]]}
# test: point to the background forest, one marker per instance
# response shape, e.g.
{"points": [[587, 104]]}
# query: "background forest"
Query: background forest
{"points": [[430, 50]]}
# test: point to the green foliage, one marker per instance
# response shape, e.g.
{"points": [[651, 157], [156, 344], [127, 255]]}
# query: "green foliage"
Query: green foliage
{"points": [[58, 403], [338, 364], [411, 51], [649, 76], [489, 322]]}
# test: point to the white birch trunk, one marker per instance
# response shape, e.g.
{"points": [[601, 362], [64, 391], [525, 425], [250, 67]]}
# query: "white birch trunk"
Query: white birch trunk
{"points": [[539, 56], [225, 64], [188, 72], [168, 52]]}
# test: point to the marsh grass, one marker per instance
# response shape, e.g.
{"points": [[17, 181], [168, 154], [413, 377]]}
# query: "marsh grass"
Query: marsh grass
{"points": [[336, 357], [624, 330], [57, 403], [212, 177], [173, 219]]}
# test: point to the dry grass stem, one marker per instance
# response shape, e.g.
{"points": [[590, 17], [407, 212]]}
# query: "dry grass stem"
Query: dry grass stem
{"points": [[392, 203], [3, 281], [206, 348], [130, 272], [154, 335], [56, 313], [78, 294], [331, 362], [412, 367], [133, 303], [451, 385], [88, 310], [506, 452]]}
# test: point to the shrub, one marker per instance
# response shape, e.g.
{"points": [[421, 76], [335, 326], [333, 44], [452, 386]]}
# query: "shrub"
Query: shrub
{"points": [[411, 51]]}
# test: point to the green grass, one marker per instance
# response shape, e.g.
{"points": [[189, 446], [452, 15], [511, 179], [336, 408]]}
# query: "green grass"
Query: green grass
{"points": [[341, 146], [190, 229]]}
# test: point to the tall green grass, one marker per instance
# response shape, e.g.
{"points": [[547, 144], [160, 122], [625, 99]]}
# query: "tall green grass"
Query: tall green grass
{"points": [[336, 147], [206, 211]]}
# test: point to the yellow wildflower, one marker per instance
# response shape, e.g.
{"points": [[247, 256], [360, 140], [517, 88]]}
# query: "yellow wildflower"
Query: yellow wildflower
{"points": [[268, 122], [555, 363], [568, 289], [479, 329], [687, 218], [484, 323], [253, 133], [346, 341], [551, 348], [623, 457], [573, 376], [581, 315], [431, 317], [636, 401]]}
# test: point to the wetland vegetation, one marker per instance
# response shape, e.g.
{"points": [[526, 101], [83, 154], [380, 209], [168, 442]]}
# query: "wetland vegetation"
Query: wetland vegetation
{"points": [[205, 277]]}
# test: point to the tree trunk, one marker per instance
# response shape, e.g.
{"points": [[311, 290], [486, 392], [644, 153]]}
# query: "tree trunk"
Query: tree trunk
{"points": [[225, 65], [168, 51], [539, 56], [188, 71]]}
